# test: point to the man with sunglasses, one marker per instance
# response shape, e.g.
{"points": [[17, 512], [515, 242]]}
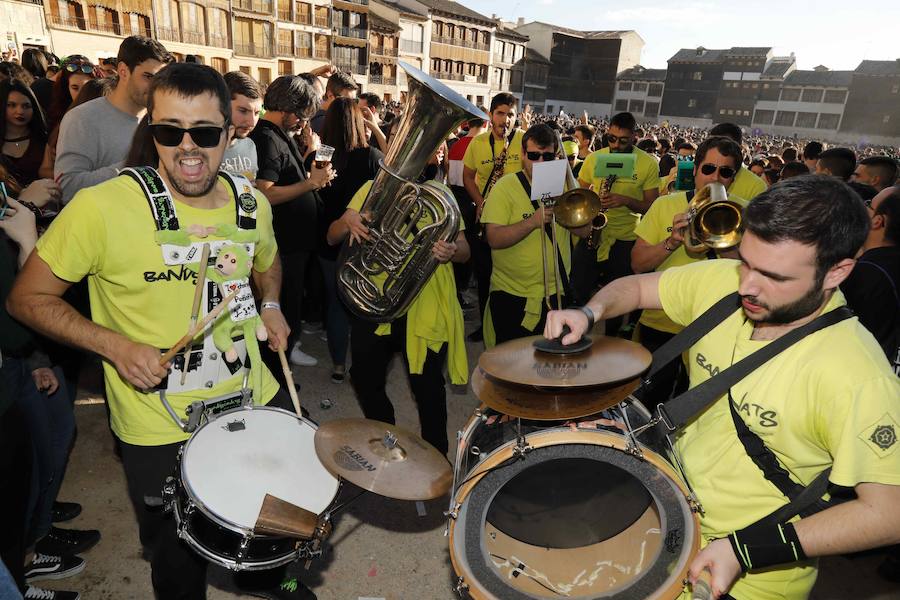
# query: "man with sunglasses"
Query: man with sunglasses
{"points": [[627, 200], [515, 229], [746, 184], [94, 138], [141, 292]]}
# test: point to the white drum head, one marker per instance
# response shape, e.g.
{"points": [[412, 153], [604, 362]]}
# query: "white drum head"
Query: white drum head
{"points": [[232, 462]]}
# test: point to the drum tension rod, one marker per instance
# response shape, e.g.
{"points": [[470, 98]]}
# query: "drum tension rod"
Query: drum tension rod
{"points": [[522, 446]]}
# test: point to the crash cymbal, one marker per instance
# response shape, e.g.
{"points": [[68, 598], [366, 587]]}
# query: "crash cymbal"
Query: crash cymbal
{"points": [[547, 405], [383, 458], [607, 361]]}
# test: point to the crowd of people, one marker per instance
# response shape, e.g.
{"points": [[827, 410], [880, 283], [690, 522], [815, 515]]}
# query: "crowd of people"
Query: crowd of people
{"points": [[101, 162]]}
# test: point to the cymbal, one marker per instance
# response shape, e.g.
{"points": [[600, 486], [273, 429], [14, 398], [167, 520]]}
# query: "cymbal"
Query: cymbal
{"points": [[547, 405], [608, 361], [383, 458]]}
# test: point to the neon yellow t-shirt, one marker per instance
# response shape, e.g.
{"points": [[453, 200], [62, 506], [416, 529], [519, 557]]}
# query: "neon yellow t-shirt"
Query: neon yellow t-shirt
{"points": [[815, 405], [518, 270], [107, 235], [621, 221], [479, 158], [746, 184]]}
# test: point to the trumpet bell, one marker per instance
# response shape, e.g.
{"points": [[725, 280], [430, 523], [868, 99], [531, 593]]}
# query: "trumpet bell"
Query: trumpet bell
{"points": [[576, 208], [715, 220]]}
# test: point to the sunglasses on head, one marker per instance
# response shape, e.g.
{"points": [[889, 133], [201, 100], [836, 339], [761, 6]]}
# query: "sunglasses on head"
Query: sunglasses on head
{"points": [[541, 155], [205, 136], [73, 67], [724, 171]]}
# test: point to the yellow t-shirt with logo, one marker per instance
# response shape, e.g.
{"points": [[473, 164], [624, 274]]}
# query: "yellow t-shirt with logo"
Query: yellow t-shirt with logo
{"points": [[746, 184], [518, 270], [479, 158], [107, 235], [621, 221], [828, 400]]}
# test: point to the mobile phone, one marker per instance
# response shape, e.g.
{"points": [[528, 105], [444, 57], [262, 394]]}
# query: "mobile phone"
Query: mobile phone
{"points": [[3, 203]]}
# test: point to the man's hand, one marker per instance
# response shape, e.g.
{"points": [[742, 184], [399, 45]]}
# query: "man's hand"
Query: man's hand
{"points": [[679, 227], [45, 380], [719, 559], [319, 178], [276, 327], [40, 192], [540, 217], [138, 364], [613, 201], [443, 251], [575, 319], [357, 229], [325, 71], [369, 118]]}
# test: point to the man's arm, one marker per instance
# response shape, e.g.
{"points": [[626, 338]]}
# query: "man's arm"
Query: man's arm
{"points": [[642, 205], [75, 167], [268, 284], [472, 188], [36, 301], [279, 194], [504, 236]]}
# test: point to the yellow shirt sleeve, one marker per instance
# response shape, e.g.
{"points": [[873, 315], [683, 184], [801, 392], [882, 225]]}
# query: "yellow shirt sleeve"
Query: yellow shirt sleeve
{"points": [[498, 204], [75, 244], [688, 290], [650, 228], [586, 174], [470, 159], [266, 249], [651, 173]]}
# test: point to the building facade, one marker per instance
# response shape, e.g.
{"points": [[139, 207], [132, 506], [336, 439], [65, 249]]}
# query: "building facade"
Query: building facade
{"points": [[693, 80], [304, 35], [537, 77], [508, 62], [415, 28], [873, 106], [640, 92], [384, 50], [740, 87], [350, 38], [810, 104]]}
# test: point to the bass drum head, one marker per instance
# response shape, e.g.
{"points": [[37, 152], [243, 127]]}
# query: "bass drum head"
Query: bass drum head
{"points": [[615, 526], [234, 460]]}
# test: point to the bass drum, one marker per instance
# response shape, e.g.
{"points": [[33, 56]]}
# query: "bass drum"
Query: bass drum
{"points": [[577, 516]]}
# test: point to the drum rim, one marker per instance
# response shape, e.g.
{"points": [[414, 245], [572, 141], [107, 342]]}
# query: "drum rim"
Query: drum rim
{"points": [[566, 436], [192, 495]]}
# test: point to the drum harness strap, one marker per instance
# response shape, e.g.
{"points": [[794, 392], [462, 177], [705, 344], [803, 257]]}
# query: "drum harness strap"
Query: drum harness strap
{"points": [[679, 410]]}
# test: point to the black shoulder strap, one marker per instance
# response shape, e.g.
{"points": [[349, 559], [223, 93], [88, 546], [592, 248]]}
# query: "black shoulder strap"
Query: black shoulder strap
{"points": [[244, 201], [560, 266], [157, 194]]}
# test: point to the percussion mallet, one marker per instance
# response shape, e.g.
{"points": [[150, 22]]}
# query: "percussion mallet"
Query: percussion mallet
{"points": [[289, 379], [195, 310], [198, 328]]}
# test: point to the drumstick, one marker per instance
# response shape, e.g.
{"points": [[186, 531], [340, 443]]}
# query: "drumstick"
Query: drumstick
{"points": [[702, 588], [289, 378], [193, 331], [195, 309]]}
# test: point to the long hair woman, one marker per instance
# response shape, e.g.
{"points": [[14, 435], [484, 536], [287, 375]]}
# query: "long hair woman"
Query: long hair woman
{"points": [[355, 162], [24, 131]]}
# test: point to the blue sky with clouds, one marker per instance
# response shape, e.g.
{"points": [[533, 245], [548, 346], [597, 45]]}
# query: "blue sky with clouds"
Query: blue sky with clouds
{"points": [[838, 34]]}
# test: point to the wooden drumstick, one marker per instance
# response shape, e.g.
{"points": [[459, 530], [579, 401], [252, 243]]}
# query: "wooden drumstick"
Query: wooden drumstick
{"points": [[192, 333], [195, 309], [702, 588], [289, 378]]}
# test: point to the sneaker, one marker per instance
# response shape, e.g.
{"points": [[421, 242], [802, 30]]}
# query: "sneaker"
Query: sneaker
{"points": [[301, 358], [338, 374], [311, 327], [65, 511], [44, 566], [290, 589], [33, 593], [66, 542]]}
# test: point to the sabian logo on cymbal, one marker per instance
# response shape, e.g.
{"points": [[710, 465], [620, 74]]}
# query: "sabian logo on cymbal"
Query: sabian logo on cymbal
{"points": [[559, 370], [351, 460]]}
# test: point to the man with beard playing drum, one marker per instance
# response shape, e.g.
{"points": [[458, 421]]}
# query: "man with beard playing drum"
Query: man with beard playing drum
{"points": [[141, 294], [829, 400]]}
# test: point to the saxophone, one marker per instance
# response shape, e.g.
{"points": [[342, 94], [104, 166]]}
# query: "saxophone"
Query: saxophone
{"points": [[379, 279], [499, 165], [600, 220]]}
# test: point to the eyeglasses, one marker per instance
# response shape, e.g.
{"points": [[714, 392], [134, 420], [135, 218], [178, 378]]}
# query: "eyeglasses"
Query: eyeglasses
{"points": [[724, 171], [206, 136], [73, 67], [541, 155], [621, 138]]}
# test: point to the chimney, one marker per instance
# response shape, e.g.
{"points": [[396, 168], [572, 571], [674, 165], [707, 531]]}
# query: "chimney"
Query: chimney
{"points": [[521, 21], [701, 50]]}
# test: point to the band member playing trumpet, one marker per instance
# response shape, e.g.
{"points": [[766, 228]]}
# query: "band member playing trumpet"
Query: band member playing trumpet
{"points": [[141, 292], [828, 400], [515, 228], [625, 201]]}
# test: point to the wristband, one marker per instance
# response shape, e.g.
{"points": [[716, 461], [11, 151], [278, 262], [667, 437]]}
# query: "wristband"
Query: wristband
{"points": [[590, 316], [270, 304], [761, 546], [666, 246]]}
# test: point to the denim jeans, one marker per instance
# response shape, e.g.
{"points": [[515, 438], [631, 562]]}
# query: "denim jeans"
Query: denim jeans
{"points": [[337, 322]]}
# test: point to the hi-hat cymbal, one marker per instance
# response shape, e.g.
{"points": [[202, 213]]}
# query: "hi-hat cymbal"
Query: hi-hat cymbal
{"points": [[547, 405], [383, 458], [608, 361]]}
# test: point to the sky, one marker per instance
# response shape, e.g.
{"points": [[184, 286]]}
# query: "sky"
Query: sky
{"points": [[837, 34]]}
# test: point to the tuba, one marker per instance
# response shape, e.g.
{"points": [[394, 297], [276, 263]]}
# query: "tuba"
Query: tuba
{"points": [[379, 278], [714, 220]]}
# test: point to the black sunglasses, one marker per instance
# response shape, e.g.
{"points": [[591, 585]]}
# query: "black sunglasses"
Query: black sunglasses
{"points": [[543, 155], [206, 136], [726, 172], [612, 139]]}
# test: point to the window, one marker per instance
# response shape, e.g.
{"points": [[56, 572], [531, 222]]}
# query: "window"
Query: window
{"points": [[765, 86], [828, 121], [436, 65], [763, 117], [285, 67], [835, 96], [811, 95], [265, 76], [895, 89], [636, 106], [785, 118], [730, 112], [692, 102], [697, 75], [651, 109], [746, 113], [219, 64], [640, 87], [244, 69], [624, 86], [806, 119], [886, 119], [621, 105], [655, 90], [790, 94], [721, 111]]}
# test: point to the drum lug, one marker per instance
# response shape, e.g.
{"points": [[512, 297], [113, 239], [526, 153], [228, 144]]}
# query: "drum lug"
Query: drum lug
{"points": [[695, 504], [242, 550], [461, 588], [522, 448], [453, 512], [168, 494]]}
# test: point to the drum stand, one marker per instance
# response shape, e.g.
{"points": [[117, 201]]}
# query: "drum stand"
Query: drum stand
{"points": [[202, 411]]}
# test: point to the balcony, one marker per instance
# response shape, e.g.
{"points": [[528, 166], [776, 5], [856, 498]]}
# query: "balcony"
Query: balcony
{"points": [[321, 52], [356, 69], [259, 6], [218, 41], [285, 50], [411, 46], [382, 80], [193, 37], [322, 22], [259, 50], [168, 33], [303, 19], [284, 14], [505, 59], [113, 28], [382, 51], [350, 32], [459, 42], [360, 2]]}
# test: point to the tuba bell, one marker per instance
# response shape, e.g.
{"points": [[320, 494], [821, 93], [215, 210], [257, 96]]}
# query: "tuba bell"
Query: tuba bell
{"points": [[379, 278], [714, 220]]}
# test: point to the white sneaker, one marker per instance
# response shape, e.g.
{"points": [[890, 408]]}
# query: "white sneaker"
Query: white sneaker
{"points": [[301, 358]]}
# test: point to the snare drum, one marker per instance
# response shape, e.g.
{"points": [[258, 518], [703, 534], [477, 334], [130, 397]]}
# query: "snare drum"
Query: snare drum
{"points": [[577, 515], [224, 472]]}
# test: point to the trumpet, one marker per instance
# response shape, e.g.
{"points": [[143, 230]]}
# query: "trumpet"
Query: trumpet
{"points": [[714, 220]]}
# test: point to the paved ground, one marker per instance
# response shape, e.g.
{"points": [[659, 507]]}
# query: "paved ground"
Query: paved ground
{"points": [[380, 548]]}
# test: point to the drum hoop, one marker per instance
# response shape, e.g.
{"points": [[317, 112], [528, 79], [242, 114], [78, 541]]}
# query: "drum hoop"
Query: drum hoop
{"points": [[565, 436], [194, 498]]}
